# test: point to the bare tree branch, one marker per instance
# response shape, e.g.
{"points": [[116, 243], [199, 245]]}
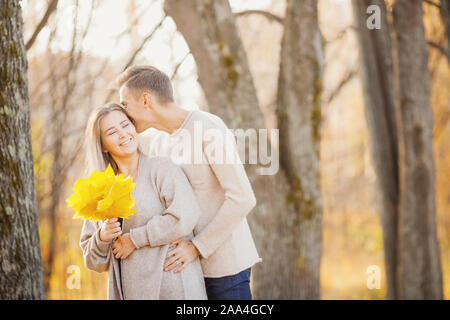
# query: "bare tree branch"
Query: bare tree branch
{"points": [[146, 39], [438, 47], [348, 76], [174, 73], [60, 123], [268, 15], [135, 20], [136, 52], [50, 9], [341, 34], [432, 3]]}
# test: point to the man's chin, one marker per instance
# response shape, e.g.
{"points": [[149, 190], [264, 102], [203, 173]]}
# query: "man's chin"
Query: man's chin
{"points": [[141, 127], [139, 130]]}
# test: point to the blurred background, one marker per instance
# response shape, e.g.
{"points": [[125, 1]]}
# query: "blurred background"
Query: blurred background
{"points": [[75, 49]]}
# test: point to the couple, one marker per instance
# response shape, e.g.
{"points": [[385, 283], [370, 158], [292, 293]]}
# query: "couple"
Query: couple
{"points": [[189, 237]]}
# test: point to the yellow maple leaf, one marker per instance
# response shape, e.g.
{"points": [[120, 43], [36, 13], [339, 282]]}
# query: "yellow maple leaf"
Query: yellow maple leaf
{"points": [[102, 196]]}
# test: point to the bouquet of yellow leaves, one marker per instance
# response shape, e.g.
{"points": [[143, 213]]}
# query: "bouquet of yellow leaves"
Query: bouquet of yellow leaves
{"points": [[102, 196]]}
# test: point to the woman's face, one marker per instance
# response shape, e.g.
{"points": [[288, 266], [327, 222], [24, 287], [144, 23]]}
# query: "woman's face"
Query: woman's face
{"points": [[118, 134]]}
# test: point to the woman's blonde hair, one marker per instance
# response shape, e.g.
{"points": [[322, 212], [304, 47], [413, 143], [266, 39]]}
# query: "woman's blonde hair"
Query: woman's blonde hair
{"points": [[96, 159]]}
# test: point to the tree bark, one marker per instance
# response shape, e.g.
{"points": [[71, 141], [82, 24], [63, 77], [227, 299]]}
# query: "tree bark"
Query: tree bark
{"points": [[419, 267], [210, 30], [20, 255], [221, 61], [300, 115], [445, 16], [380, 111]]}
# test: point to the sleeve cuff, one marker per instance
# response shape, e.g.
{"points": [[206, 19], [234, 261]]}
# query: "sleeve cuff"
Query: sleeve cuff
{"points": [[139, 237], [103, 246], [200, 247]]}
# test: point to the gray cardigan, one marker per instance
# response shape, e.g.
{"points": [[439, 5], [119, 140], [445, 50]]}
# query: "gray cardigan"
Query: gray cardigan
{"points": [[161, 188]]}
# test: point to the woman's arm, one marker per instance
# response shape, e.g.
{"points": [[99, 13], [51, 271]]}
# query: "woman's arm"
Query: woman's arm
{"points": [[96, 253], [182, 208]]}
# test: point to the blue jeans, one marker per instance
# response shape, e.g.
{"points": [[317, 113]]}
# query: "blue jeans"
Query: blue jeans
{"points": [[235, 287]]}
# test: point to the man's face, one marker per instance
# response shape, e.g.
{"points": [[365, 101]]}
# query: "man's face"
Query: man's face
{"points": [[134, 107]]}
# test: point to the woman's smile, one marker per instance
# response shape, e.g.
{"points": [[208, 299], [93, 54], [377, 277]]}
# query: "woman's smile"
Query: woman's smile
{"points": [[118, 134], [126, 142]]}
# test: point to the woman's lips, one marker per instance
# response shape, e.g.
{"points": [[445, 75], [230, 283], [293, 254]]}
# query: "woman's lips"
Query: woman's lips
{"points": [[126, 142]]}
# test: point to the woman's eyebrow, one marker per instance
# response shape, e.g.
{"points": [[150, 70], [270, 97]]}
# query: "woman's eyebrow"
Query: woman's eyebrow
{"points": [[113, 126]]}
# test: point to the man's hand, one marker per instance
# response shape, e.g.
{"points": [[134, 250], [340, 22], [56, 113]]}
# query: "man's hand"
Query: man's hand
{"points": [[124, 249], [183, 254]]}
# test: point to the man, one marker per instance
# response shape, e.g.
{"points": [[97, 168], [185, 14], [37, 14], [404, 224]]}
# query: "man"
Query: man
{"points": [[222, 237]]}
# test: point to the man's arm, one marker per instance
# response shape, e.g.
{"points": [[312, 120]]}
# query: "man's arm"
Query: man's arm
{"points": [[239, 198]]}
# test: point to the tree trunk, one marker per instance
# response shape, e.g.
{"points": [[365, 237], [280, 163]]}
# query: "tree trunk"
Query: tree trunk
{"points": [[378, 83], [419, 268], [221, 60], [210, 30], [20, 255], [299, 115], [445, 16]]}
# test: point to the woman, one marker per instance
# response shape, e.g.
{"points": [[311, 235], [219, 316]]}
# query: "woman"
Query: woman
{"points": [[166, 210]]}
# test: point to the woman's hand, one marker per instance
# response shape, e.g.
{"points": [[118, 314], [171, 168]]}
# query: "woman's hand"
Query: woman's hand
{"points": [[124, 249], [185, 253], [110, 230]]}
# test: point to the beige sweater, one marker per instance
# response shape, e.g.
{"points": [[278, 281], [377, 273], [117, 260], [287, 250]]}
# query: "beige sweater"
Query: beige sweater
{"points": [[166, 209], [225, 195]]}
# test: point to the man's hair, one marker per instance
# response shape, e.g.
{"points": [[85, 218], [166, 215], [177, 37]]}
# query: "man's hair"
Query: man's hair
{"points": [[143, 78]]}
